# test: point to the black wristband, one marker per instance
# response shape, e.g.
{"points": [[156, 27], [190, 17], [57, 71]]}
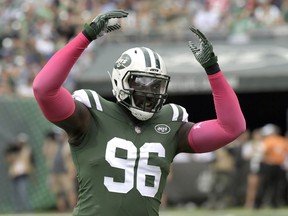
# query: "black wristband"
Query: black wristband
{"points": [[212, 69], [87, 35], [89, 32]]}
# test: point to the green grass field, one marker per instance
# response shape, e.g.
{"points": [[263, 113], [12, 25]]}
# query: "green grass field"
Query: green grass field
{"points": [[193, 212], [228, 212]]}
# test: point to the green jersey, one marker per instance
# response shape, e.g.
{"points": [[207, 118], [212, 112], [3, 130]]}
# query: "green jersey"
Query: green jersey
{"points": [[122, 166]]}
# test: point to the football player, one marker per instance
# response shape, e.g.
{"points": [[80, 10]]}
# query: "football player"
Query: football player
{"points": [[122, 151]]}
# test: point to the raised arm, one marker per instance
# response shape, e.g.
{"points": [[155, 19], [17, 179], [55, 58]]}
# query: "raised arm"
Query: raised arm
{"points": [[213, 134], [55, 101]]}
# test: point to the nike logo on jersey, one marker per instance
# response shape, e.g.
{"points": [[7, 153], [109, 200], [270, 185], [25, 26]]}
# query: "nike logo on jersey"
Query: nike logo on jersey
{"points": [[197, 126]]}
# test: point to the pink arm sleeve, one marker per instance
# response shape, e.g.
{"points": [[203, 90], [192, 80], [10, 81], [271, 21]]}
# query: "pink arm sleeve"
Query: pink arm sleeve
{"points": [[210, 135], [54, 100]]}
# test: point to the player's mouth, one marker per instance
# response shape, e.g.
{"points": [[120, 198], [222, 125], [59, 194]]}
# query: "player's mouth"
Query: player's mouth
{"points": [[145, 103]]}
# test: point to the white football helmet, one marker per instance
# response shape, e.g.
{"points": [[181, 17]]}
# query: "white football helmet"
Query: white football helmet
{"points": [[140, 82]]}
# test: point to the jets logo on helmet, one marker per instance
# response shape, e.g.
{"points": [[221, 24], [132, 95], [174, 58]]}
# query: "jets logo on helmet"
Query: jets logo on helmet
{"points": [[140, 81], [122, 62]]}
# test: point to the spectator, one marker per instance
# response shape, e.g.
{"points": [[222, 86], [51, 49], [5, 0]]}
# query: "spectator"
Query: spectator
{"points": [[237, 149], [222, 170], [207, 18], [284, 10], [254, 155], [20, 162], [172, 15], [6, 82], [272, 182], [267, 14], [241, 22], [220, 6], [62, 175]]}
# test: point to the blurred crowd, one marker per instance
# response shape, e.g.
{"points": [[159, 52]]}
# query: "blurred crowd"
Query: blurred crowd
{"points": [[250, 172], [31, 31]]}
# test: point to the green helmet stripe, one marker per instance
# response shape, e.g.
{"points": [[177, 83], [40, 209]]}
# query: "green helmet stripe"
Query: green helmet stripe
{"points": [[146, 56], [157, 60]]}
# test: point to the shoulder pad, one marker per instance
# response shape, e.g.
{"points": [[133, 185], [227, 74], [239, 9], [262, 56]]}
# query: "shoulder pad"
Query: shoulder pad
{"points": [[179, 113], [88, 97]]}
